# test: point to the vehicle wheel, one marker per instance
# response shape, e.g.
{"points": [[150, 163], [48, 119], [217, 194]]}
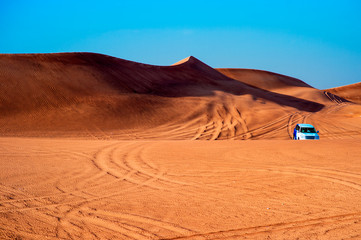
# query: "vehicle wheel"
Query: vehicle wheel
{"points": [[298, 138]]}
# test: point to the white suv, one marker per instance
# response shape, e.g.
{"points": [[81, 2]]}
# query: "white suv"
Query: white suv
{"points": [[304, 131]]}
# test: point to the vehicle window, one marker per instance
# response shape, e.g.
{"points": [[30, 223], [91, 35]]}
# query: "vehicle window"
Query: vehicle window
{"points": [[308, 130]]}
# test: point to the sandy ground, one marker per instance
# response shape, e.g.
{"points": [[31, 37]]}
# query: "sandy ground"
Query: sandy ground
{"points": [[99, 189], [97, 147], [98, 96]]}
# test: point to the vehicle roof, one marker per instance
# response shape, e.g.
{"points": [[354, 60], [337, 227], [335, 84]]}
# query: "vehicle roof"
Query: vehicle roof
{"points": [[305, 125]]}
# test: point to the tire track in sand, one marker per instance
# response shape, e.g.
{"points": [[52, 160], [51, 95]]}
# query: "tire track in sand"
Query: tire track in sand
{"points": [[268, 128], [110, 163], [222, 123], [126, 225], [33, 202], [137, 161], [282, 226], [295, 171]]}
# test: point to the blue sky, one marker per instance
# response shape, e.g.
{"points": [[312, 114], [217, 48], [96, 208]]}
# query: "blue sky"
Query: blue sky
{"points": [[316, 41]]}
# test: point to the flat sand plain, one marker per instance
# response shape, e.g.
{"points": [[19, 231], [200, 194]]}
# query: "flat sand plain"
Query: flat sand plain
{"points": [[110, 189]]}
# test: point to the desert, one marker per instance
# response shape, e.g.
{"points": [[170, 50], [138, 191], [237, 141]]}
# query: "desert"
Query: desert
{"points": [[97, 147]]}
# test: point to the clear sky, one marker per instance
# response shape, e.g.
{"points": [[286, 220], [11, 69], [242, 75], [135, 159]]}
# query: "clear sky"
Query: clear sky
{"points": [[317, 41]]}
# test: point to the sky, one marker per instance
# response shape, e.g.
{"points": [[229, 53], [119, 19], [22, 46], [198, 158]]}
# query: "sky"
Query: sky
{"points": [[317, 41]]}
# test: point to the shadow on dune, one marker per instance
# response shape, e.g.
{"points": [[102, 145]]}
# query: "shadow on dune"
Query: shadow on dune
{"points": [[285, 100], [33, 80], [190, 78]]}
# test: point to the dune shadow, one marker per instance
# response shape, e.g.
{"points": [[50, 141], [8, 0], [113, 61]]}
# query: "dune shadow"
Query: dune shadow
{"points": [[236, 88], [192, 78]]}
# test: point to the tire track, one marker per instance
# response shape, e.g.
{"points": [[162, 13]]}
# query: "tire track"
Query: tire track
{"points": [[125, 232], [110, 163], [330, 171], [129, 226], [142, 220], [63, 198], [283, 226], [134, 162], [151, 170], [332, 179], [134, 175], [238, 116], [201, 131], [334, 98], [180, 129], [267, 129], [222, 123], [340, 133], [33, 202], [121, 173], [218, 125], [290, 124], [24, 196]]}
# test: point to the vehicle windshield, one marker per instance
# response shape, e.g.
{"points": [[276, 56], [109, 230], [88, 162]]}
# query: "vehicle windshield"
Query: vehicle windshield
{"points": [[308, 130]]}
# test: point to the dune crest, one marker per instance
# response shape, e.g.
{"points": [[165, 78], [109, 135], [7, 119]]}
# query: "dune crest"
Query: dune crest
{"points": [[88, 94], [350, 92], [89, 150], [183, 60], [262, 79]]}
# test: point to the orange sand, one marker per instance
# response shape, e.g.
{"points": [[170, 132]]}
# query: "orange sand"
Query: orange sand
{"points": [[96, 189], [350, 92], [96, 147]]}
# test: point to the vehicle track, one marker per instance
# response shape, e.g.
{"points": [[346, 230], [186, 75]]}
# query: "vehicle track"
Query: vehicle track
{"points": [[294, 171], [223, 123], [134, 161], [138, 161], [32, 202], [282, 226], [142, 219], [201, 131], [123, 168], [129, 226], [52, 200]]}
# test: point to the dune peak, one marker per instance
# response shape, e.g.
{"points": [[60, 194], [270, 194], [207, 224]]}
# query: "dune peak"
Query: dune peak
{"points": [[187, 59], [70, 93]]}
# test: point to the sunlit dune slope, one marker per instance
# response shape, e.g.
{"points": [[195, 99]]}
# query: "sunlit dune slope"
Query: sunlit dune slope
{"points": [[350, 92], [85, 91], [262, 79], [276, 83], [88, 94]]}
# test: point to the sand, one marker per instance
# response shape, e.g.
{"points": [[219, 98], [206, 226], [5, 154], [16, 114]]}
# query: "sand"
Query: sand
{"points": [[350, 92], [96, 147], [96, 189]]}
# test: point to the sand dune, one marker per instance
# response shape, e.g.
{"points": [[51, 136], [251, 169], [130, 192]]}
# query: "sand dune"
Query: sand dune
{"points": [[96, 147], [262, 79], [350, 92], [86, 94], [276, 83]]}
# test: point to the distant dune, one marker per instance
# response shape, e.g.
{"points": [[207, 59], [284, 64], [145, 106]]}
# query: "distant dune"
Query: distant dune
{"points": [[276, 83], [350, 92], [88, 94], [262, 79]]}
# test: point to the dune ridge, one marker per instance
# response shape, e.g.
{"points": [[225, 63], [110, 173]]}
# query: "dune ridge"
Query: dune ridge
{"points": [[257, 78], [89, 94], [350, 92], [96, 147]]}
